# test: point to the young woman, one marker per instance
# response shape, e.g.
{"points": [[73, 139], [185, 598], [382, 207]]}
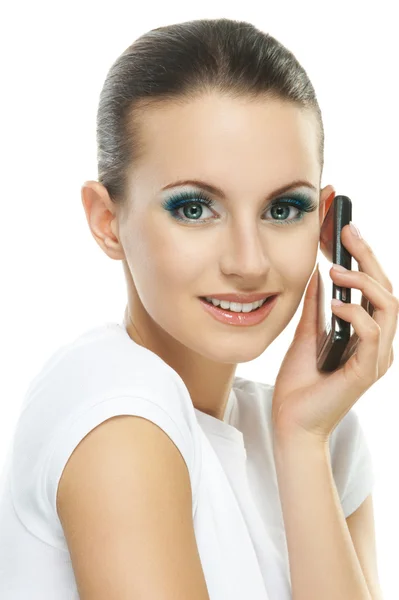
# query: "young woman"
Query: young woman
{"points": [[142, 467]]}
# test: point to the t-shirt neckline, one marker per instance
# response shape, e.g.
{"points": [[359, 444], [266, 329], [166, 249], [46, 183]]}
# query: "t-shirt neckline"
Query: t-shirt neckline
{"points": [[213, 425], [223, 427]]}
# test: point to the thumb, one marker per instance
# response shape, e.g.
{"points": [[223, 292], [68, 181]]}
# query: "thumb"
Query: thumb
{"points": [[308, 321]]}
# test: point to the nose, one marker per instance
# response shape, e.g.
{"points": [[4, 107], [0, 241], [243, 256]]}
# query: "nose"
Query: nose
{"points": [[245, 254]]}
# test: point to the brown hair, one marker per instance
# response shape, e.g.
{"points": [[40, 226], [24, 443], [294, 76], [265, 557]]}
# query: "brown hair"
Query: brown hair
{"points": [[179, 62]]}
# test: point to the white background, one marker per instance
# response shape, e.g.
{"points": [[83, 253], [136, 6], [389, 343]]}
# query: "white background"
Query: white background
{"points": [[55, 280]]}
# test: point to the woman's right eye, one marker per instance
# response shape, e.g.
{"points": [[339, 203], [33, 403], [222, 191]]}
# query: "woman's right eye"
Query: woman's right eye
{"points": [[186, 201]]}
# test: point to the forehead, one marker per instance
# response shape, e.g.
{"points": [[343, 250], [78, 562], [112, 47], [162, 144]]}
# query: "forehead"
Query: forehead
{"points": [[229, 141]]}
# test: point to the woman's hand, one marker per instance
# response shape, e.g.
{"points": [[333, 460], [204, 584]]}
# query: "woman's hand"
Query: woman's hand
{"points": [[312, 403]]}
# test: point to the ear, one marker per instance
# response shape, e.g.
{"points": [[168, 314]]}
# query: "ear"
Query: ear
{"points": [[326, 198], [326, 232]]}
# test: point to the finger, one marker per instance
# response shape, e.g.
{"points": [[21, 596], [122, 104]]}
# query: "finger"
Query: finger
{"points": [[385, 305], [365, 257], [367, 305], [362, 367]]}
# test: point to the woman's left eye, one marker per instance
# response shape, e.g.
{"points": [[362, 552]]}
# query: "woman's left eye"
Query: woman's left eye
{"points": [[280, 208]]}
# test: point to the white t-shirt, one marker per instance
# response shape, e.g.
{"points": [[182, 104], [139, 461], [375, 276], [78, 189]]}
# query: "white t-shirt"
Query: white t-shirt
{"points": [[236, 509]]}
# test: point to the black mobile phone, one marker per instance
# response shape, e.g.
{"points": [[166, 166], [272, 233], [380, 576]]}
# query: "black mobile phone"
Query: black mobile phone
{"points": [[336, 339]]}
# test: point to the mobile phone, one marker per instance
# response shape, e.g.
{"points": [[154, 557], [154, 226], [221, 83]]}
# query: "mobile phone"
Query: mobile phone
{"points": [[336, 339]]}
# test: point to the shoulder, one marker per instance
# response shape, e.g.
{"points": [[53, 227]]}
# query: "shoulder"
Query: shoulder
{"points": [[98, 376]]}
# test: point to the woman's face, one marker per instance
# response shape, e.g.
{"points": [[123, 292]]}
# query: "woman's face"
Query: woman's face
{"points": [[247, 149]]}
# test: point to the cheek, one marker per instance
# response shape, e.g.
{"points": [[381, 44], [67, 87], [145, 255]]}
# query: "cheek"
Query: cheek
{"points": [[295, 261], [167, 259]]}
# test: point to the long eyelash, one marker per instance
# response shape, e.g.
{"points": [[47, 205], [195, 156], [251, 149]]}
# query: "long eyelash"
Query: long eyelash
{"points": [[180, 199], [303, 203]]}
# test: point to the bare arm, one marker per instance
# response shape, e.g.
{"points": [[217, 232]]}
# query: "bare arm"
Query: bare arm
{"points": [[322, 558], [124, 501]]}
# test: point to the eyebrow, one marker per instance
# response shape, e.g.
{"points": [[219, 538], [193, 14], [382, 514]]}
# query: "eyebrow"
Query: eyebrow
{"points": [[219, 192]]}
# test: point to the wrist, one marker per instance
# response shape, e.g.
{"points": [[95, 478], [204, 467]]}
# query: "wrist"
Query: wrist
{"points": [[298, 441]]}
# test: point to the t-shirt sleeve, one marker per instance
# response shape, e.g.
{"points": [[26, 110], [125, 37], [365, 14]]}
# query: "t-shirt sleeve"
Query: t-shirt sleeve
{"points": [[35, 477], [352, 463]]}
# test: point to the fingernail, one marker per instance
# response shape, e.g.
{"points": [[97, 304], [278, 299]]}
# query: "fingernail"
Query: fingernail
{"points": [[336, 302], [340, 268], [354, 230]]}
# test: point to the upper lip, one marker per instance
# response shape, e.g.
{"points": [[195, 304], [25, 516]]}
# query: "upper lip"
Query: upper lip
{"points": [[242, 298]]}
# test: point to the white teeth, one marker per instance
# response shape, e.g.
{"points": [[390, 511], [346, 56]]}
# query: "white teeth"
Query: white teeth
{"points": [[236, 306]]}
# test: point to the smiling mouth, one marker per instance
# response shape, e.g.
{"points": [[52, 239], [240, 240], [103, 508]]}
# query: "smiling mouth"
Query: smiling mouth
{"points": [[268, 299]]}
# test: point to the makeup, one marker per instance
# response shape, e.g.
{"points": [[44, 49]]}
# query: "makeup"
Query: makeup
{"points": [[296, 201], [239, 318]]}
